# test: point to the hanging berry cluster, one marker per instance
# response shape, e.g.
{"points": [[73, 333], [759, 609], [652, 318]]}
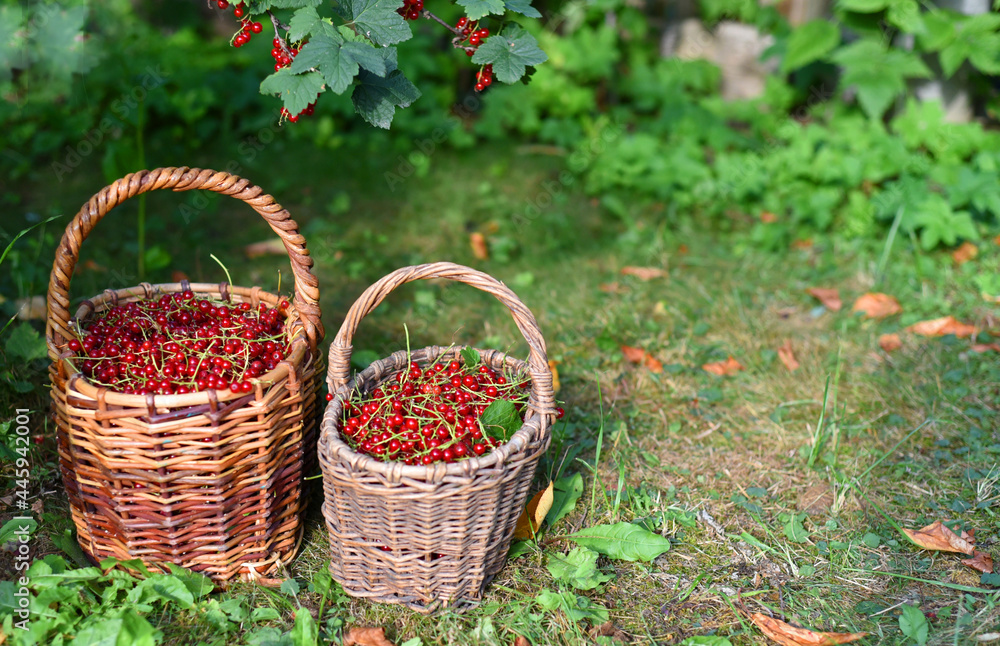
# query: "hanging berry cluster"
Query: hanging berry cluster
{"points": [[180, 344], [431, 415], [411, 9], [247, 26]]}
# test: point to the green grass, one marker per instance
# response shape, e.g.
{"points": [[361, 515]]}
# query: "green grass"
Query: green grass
{"points": [[811, 544]]}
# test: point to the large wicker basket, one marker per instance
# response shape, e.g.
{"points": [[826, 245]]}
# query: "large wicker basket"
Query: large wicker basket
{"points": [[428, 537], [211, 480]]}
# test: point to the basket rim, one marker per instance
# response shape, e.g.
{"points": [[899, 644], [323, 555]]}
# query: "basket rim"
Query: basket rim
{"points": [[330, 442], [298, 343]]}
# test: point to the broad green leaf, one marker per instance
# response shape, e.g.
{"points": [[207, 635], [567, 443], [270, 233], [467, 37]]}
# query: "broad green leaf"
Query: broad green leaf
{"points": [[169, 588], [367, 57], [863, 6], [104, 633], [65, 50], [706, 640], [264, 614], [471, 357], [906, 15], [810, 42], [322, 580], [476, 9], [197, 583], [567, 492], [296, 91], [913, 624], [622, 541], [323, 52], [290, 587], [510, 52], [14, 528], [977, 41], [304, 632], [793, 529], [878, 74], [501, 420], [578, 569], [976, 188], [25, 344], [135, 631], [376, 98], [302, 23], [576, 608], [522, 7], [940, 28], [293, 4], [518, 548], [940, 224], [377, 20]]}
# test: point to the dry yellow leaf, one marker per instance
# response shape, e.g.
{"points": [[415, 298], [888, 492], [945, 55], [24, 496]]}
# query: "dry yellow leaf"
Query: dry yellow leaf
{"points": [[555, 375], [890, 342], [358, 636], [726, 368], [787, 356], [941, 327], [877, 306], [788, 635], [964, 253], [534, 513], [828, 296], [937, 536], [479, 247]]}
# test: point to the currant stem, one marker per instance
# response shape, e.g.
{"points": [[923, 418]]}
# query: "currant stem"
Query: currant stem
{"points": [[277, 26], [427, 14]]}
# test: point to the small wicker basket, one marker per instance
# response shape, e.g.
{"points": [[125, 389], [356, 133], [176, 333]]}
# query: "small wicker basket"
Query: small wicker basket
{"points": [[428, 537], [212, 480]]}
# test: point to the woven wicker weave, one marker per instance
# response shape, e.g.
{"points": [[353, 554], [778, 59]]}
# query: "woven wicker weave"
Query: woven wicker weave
{"points": [[447, 527], [211, 480]]}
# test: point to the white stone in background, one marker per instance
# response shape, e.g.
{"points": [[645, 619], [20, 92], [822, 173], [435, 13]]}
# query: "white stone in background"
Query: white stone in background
{"points": [[736, 48]]}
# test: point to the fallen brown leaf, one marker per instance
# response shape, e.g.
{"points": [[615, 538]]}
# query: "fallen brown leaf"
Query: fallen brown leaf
{"points": [[805, 243], [890, 342], [608, 629], [638, 355], [358, 636], [787, 356], [90, 265], [612, 288], [726, 368], [828, 296], [937, 536], [980, 561], [683, 249], [996, 240], [521, 641], [479, 247], [788, 635], [941, 327], [877, 306], [817, 499], [986, 347], [767, 217], [267, 247], [964, 253], [178, 276], [555, 375], [644, 273], [534, 513]]}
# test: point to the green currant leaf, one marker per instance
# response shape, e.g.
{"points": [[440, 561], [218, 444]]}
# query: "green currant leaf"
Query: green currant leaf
{"points": [[810, 42], [623, 541], [476, 9], [302, 23], [905, 14], [25, 344], [522, 7], [471, 357], [863, 6], [324, 53], [295, 90], [578, 569], [878, 74], [510, 52], [567, 491], [377, 20], [576, 608], [65, 52], [940, 224], [376, 97], [501, 420], [290, 4], [978, 41], [940, 28], [367, 57]]}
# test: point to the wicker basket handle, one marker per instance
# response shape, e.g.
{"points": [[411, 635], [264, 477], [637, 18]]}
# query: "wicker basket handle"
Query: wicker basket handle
{"points": [[180, 179], [538, 366]]}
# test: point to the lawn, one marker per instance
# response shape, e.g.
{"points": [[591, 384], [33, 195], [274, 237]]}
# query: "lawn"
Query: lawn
{"points": [[782, 491]]}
